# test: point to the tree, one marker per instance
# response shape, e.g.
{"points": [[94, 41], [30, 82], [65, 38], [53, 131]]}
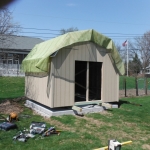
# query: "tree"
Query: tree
{"points": [[7, 26], [135, 65], [123, 53], [143, 45], [64, 31]]}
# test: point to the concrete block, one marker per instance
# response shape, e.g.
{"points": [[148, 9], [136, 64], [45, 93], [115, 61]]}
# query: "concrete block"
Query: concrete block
{"points": [[48, 112]]}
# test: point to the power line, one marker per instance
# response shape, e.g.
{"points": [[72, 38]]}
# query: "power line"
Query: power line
{"points": [[124, 35], [30, 28], [60, 30], [40, 29], [40, 33]]}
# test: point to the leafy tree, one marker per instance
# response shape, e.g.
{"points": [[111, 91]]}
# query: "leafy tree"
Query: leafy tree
{"points": [[64, 31], [135, 65]]}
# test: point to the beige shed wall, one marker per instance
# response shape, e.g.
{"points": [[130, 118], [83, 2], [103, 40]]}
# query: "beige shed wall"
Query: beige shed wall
{"points": [[64, 73], [36, 89], [62, 76]]}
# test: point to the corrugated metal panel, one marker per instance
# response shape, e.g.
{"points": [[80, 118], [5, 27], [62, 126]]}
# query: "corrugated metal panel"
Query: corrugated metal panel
{"points": [[109, 81], [71, 93], [36, 89], [64, 76]]}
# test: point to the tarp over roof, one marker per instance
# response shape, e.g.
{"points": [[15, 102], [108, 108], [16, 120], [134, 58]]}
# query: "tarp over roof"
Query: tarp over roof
{"points": [[39, 57]]}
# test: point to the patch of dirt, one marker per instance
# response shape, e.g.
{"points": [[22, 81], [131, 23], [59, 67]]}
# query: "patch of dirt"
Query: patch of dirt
{"points": [[130, 124], [59, 124], [146, 146], [96, 122], [8, 106], [132, 93], [105, 113]]}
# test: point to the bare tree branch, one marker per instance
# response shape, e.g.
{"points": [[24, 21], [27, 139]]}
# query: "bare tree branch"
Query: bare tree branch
{"points": [[143, 44], [64, 31], [7, 27]]}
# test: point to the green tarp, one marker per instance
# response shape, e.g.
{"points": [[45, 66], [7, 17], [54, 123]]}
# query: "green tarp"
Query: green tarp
{"points": [[39, 58]]}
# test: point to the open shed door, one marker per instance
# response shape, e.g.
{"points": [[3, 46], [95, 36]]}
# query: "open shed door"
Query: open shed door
{"points": [[87, 81]]}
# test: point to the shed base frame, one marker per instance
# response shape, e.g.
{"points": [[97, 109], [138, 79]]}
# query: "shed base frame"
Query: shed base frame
{"points": [[48, 112]]}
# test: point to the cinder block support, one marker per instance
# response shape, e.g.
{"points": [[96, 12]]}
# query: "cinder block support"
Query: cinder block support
{"points": [[48, 112]]}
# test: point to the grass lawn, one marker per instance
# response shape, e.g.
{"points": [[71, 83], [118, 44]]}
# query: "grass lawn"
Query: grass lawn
{"points": [[11, 87], [129, 122]]}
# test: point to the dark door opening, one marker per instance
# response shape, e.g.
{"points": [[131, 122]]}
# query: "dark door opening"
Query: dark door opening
{"points": [[80, 80], [95, 80], [87, 81]]}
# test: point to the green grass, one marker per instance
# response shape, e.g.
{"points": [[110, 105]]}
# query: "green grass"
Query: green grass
{"points": [[129, 122], [11, 87]]}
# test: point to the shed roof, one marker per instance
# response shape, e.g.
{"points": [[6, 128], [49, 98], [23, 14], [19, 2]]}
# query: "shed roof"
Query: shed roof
{"points": [[18, 42], [37, 60]]}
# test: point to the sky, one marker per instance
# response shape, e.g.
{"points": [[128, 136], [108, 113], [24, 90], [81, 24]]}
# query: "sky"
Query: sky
{"points": [[120, 20]]}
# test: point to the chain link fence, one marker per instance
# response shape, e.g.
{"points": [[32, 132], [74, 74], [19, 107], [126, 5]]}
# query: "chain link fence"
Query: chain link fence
{"points": [[132, 86]]}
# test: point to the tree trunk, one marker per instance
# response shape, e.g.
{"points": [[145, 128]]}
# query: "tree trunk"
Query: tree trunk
{"points": [[136, 86]]}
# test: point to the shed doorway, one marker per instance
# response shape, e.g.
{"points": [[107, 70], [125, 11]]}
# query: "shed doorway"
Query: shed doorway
{"points": [[87, 81]]}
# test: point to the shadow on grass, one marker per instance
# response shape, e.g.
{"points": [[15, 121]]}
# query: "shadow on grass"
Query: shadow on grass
{"points": [[121, 102]]}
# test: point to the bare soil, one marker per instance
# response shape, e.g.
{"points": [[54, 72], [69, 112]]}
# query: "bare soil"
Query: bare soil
{"points": [[132, 93], [8, 106]]}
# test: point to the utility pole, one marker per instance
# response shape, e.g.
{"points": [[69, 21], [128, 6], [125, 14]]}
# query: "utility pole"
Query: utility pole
{"points": [[127, 57], [125, 44]]}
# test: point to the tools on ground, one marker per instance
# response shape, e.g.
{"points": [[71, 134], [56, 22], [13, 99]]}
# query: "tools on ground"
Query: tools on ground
{"points": [[13, 116], [23, 135], [51, 131], [7, 126], [37, 127], [20, 137], [114, 145]]}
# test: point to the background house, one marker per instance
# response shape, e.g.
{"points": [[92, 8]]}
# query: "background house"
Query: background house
{"points": [[147, 70], [79, 67], [13, 49]]}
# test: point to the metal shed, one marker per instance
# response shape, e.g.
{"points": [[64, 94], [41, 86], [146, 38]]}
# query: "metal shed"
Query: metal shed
{"points": [[80, 66]]}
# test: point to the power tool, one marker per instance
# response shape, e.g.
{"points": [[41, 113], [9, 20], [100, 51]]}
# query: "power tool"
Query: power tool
{"points": [[13, 116]]}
